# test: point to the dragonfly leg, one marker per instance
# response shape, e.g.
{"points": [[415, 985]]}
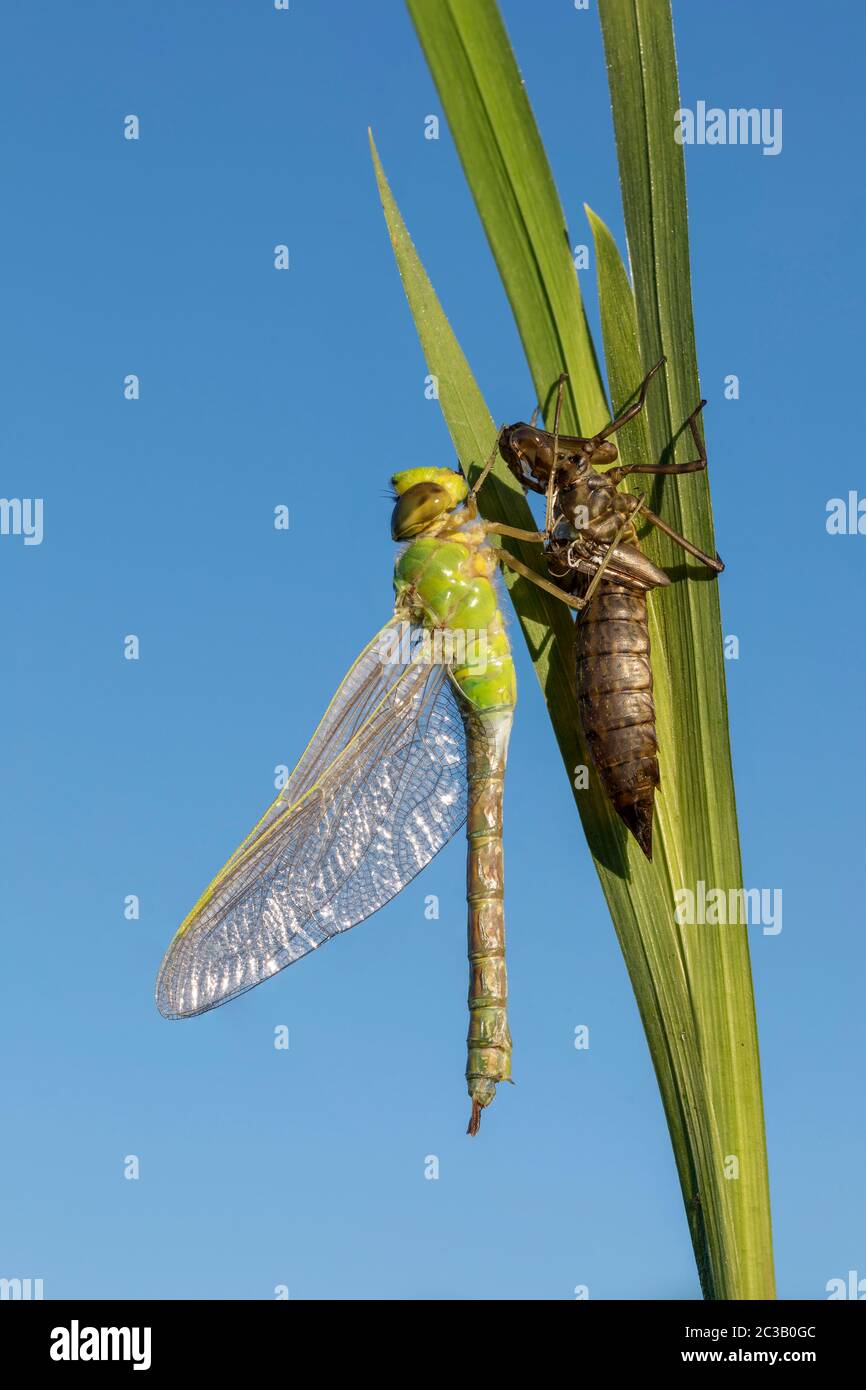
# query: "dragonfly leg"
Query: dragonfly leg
{"points": [[696, 465], [634, 409], [717, 565], [498, 528], [573, 443], [551, 482], [482, 477], [692, 466], [506, 558]]}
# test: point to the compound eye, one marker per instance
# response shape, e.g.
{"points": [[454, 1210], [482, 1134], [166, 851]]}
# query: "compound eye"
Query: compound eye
{"points": [[523, 438], [606, 452], [420, 506]]}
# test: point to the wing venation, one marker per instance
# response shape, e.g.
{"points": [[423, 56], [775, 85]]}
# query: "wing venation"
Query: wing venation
{"points": [[379, 790]]}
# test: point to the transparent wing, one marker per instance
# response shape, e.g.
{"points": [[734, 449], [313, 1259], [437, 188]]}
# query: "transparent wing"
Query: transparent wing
{"points": [[378, 792]]}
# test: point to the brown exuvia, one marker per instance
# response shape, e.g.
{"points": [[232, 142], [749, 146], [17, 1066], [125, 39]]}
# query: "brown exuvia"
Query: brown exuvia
{"points": [[615, 695], [594, 555]]}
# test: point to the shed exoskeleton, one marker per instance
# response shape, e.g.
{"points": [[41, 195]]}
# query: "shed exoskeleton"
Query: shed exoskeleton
{"points": [[593, 553]]}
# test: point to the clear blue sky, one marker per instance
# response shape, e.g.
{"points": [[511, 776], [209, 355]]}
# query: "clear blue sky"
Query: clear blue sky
{"points": [[306, 1167]]}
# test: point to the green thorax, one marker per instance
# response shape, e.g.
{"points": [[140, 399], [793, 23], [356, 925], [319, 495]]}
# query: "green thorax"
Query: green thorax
{"points": [[446, 583]]}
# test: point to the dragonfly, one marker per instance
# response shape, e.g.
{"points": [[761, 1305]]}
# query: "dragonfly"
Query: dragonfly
{"points": [[413, 745]]}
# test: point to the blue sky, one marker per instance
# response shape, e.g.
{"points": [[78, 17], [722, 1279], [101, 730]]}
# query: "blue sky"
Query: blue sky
{"points": [[305, 1167]]}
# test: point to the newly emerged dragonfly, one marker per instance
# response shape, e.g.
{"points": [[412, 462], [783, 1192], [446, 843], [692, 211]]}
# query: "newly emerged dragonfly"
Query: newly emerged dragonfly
{"points": [[592, 550], [413, 744]]}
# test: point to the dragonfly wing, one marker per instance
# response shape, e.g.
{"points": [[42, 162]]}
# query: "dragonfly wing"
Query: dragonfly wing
{"points": [[378, 792]]}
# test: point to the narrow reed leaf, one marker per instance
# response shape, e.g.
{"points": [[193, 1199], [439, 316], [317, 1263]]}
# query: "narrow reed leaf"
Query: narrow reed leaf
{"points": [[642, 70], [507, 169]]}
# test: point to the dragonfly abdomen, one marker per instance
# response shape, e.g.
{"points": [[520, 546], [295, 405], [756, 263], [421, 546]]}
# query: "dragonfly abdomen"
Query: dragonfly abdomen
{"points": [[489, 1041], [447, 585], [615, 695]]}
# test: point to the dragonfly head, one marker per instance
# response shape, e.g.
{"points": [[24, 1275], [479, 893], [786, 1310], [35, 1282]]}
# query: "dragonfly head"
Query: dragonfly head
{"points": [[425, 496], [527, 450], [529, 454]]}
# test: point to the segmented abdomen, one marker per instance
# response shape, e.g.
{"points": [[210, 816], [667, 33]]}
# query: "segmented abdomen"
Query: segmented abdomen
{"points": [[489, 1040], [615, 694]]}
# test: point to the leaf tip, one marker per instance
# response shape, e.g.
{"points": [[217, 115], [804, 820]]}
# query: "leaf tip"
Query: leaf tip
{"points": [[594, 220]]}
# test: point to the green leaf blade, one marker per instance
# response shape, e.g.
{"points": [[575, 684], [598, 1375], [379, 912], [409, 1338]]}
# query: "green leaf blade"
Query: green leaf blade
{"points": [[507, 169], [641, 57]]}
